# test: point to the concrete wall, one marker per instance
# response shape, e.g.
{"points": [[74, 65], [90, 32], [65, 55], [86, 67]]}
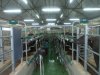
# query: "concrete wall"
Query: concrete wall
{"points": [[76, 69], [24, 69]]}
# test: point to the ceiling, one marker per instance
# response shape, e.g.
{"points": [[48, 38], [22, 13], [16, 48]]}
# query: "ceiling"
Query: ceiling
{"points": [[73, 10]]}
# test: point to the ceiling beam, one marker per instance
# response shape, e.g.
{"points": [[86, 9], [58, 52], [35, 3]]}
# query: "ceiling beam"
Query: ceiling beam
{"points": [[74, 8], [8, 1], [81, 14]]}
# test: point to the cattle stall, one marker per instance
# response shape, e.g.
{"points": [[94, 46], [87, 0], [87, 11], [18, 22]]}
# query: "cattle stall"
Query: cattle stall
{"points": [[87, 51]]}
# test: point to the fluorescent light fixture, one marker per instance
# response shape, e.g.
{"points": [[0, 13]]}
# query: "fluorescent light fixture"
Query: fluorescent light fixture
{"points": [[28, 20], [91, 9], [51, 9], [61, 15], [71, 1], [35, 24], [67, 23], [25, 1], [13, 11], [51, 24], [50, 19], [37, 16], [74, 19], [6, 29]]}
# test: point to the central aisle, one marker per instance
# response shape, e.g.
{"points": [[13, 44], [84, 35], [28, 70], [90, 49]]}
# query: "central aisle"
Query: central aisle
{"points": [[52, 68]]}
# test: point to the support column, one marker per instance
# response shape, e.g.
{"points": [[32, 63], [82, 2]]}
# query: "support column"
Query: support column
{"points": [[72, 43], [99, 51], [86, 48], [1, 46], [77, 57]]}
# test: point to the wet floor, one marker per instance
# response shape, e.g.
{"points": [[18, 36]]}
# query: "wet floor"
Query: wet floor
{"points": [[52, 68]]}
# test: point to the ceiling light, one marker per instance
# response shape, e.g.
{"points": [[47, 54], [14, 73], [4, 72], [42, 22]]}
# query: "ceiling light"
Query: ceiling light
{"points": [[91, 9], [25, 1], [61, 15], [74, 19], [50, 19], [37, 16], [35, 24], [51, 9], [67, 23], [50, 24], [13, 11], [71, 1], [6, 29], [28, 20]]}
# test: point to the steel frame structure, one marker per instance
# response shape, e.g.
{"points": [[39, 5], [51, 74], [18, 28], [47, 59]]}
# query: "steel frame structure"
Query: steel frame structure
{"points": [[85, 60]]}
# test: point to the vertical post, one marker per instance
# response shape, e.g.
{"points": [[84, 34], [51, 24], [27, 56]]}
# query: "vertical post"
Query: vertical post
{"points": [[1, 46], [86, 47], [40, 64], [22, 52], [72, 43], [12, 49], [64, 39], [26, 41], [77, 57], [99, 52], [36, 45]]}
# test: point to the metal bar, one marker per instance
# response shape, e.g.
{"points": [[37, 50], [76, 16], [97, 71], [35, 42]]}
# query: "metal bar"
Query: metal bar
{"points": [[77, 45], [89, 65], [43, 66], [22, 59], [5, 68], [5, 36], [40, 64], [26, 42], [93, 35], [1, 45], [12, 53], [93, 68], [99, 50], [72, 43], [5, 52], [95, 52], [64, 38], [36, 45], [86, 47], [95, 26], [81, 58]]}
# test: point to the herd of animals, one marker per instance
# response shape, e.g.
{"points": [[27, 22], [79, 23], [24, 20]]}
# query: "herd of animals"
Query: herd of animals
{"points": [[93, 42]]}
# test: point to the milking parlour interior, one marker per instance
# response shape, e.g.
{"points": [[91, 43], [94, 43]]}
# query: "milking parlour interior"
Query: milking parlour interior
{"points": [[49, 37]]}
